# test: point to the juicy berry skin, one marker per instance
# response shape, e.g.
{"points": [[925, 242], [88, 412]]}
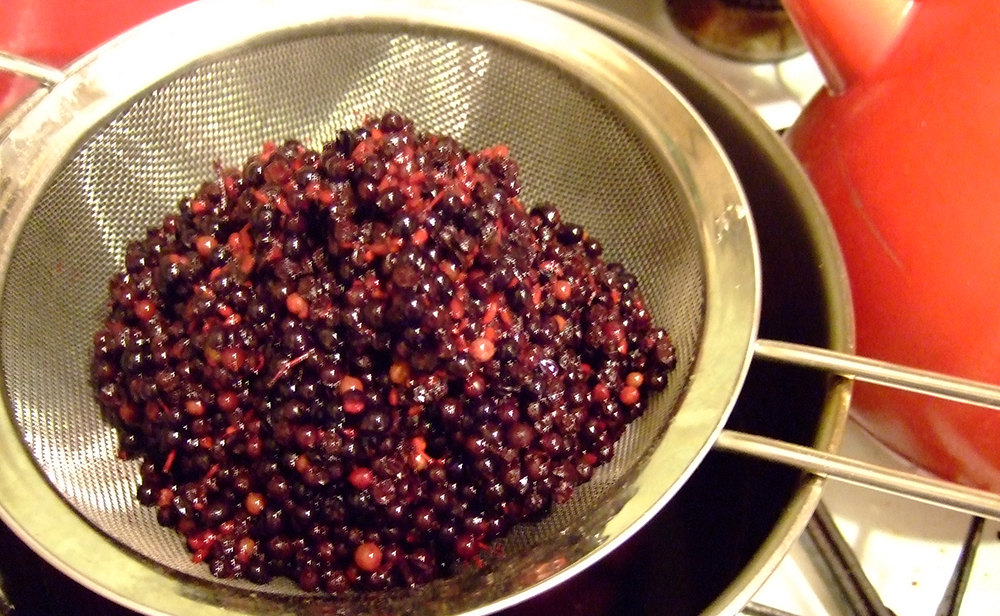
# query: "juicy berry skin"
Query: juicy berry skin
{"points": [[355, 367]]}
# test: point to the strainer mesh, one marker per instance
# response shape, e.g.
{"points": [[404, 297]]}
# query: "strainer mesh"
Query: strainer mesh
{"points": [[573, 147]]}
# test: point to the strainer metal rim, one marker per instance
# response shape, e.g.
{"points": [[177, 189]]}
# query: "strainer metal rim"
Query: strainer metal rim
{"points": [[106, 79]]}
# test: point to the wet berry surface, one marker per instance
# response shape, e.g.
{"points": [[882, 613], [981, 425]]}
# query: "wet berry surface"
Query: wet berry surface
{"points": [[356, 367]]}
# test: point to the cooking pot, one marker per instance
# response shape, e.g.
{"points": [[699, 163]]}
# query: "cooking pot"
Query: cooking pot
{"points": [[902, 146], [715, 543]]}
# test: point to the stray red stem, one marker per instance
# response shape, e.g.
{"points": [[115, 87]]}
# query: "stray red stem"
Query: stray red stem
{"points": [[287, 365]]}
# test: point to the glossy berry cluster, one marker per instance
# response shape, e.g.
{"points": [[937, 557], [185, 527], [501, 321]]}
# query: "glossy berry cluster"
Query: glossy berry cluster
{"points": [[355, 367]]}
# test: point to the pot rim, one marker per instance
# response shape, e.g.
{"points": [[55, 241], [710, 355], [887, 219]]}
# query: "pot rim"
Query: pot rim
{"points": [[750, 128]]}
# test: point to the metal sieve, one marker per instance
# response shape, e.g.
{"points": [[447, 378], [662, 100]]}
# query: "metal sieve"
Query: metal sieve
{"points": [[117, 139], [131, 129]]}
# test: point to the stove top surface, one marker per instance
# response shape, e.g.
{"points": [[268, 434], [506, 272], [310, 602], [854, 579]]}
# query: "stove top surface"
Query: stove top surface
{"points": [[908, 550]]}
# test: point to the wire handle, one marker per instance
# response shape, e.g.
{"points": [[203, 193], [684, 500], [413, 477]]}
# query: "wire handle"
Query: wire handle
{"points": [[42, 73], [46, 76], [917, 487], [881, 373], [936, 491]]}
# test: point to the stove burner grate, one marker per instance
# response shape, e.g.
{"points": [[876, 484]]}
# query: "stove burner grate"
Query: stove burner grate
{"points": [[834, 557]]}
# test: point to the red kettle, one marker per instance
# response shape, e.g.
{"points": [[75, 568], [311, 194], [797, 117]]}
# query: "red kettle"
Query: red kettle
{"points": [[903, 146]]}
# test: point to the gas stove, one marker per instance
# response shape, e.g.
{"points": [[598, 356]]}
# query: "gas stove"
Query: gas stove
{"points": [[865, 552]]}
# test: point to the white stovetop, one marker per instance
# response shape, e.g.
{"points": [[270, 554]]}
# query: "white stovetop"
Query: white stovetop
{"points": [[907, 549]]}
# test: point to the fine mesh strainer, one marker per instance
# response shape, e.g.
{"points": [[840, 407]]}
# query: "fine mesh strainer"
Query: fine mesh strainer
{"points": [[127, 130], [130, 129]]}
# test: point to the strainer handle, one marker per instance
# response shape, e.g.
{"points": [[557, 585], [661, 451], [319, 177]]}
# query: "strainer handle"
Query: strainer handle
{"points": [[881, 373], [936, 491], [910, 485], [42, 73]]}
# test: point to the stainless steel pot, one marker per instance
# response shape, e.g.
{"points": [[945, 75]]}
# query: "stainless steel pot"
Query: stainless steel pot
{"points": [[719, 538]]}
